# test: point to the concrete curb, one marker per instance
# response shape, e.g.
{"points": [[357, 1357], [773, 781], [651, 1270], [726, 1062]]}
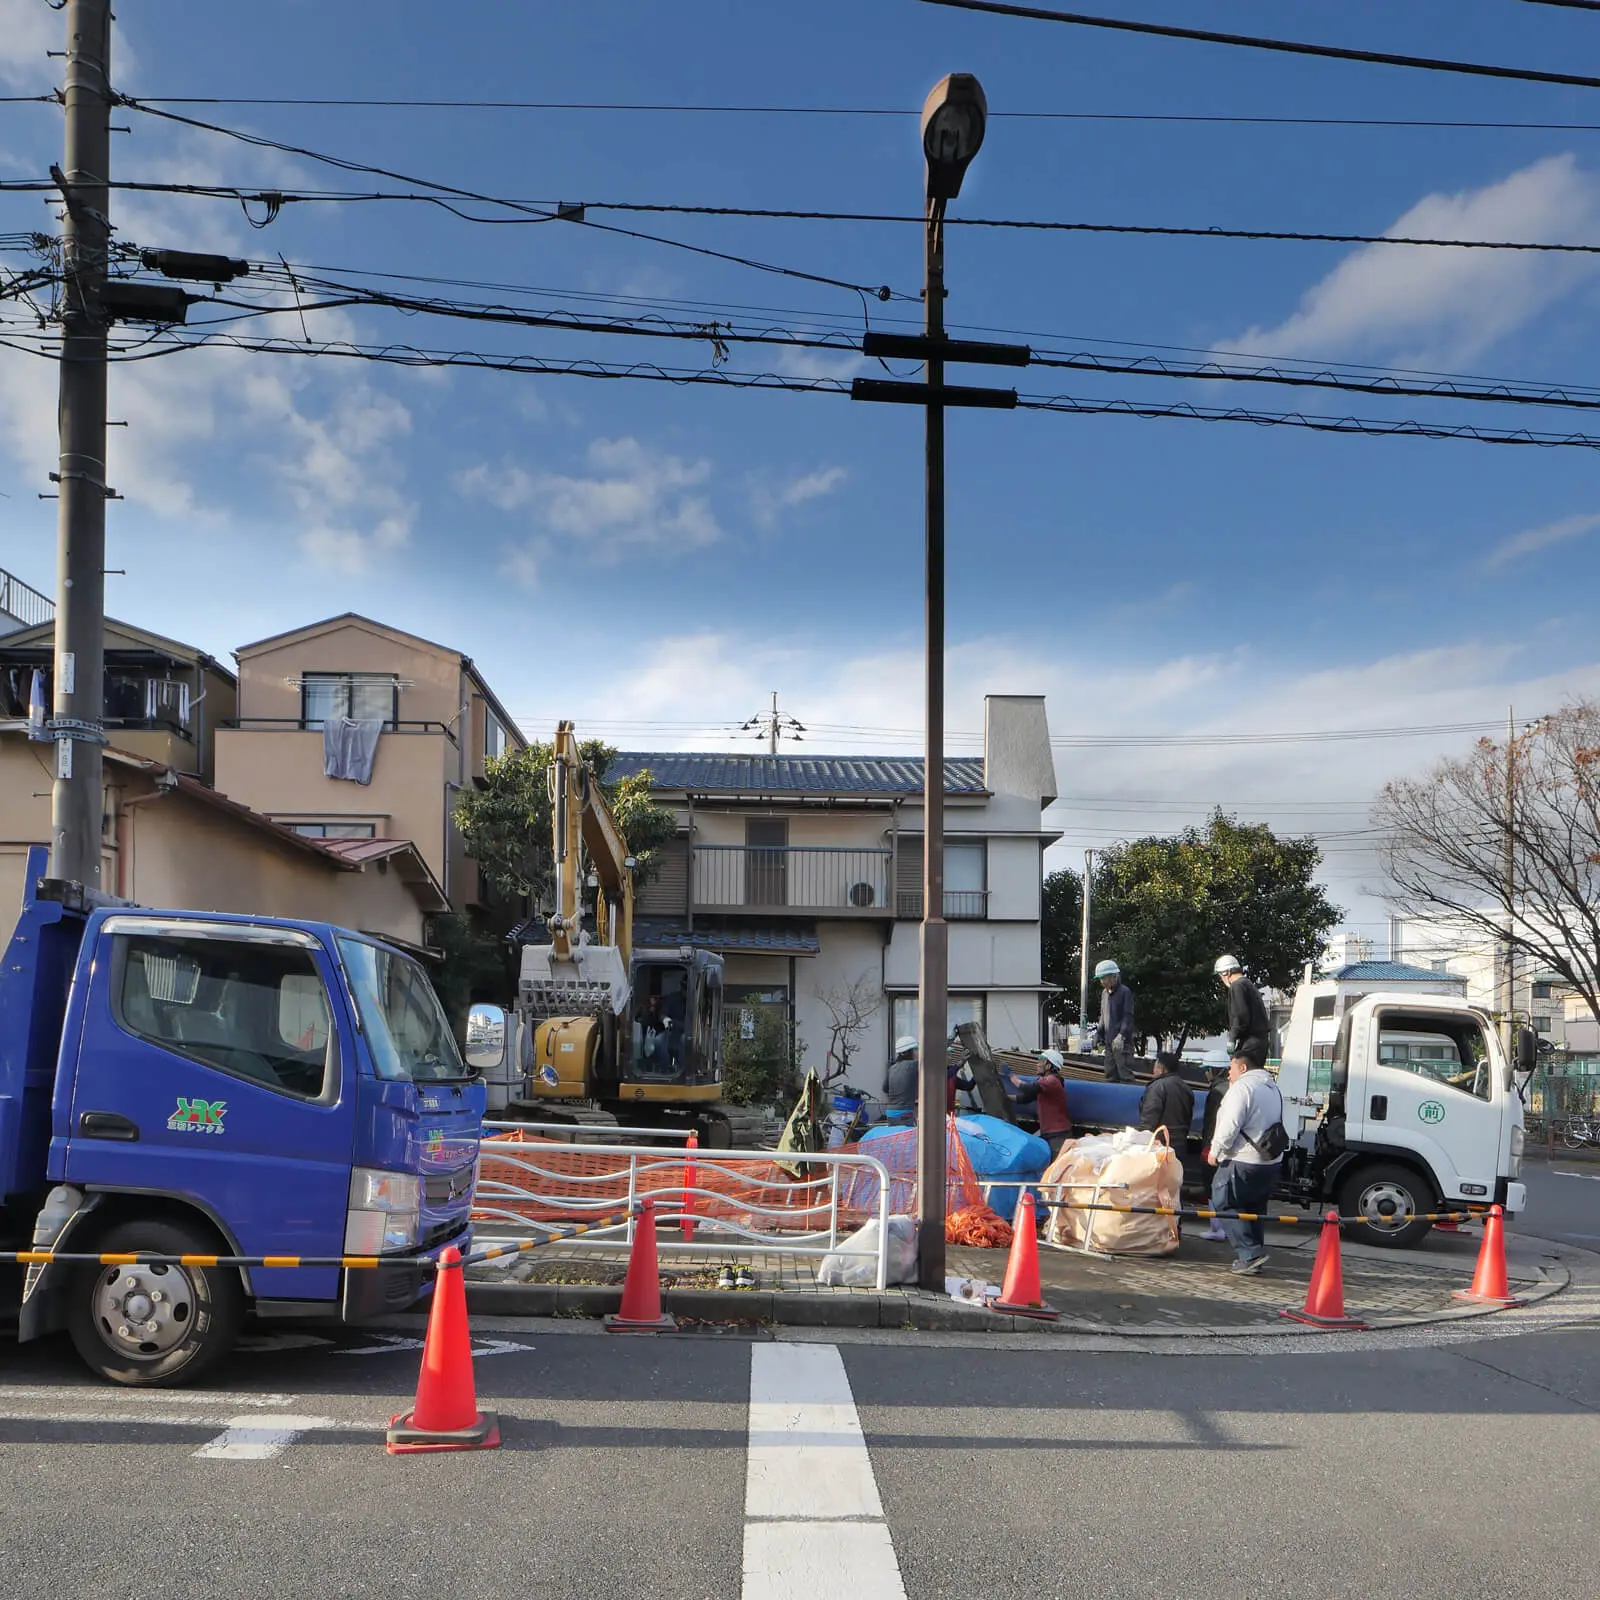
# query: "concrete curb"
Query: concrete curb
{"points": [[912, 1310]]}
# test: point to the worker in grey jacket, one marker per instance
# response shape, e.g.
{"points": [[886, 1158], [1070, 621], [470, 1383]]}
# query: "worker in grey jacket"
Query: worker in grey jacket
{"points": [[900, 1081], [1247, 1145], [1116, 1021]]}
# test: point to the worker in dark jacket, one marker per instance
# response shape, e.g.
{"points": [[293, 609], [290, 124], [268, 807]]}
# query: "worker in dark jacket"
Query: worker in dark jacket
{"points": [[1168, 1102], [1116, 1021], [900, 1081], [1249, 1027], [1048, 1095]]}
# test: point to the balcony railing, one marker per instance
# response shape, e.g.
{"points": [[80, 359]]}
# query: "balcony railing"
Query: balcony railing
{"points": [[810, 878], [25, 603], [960, 905], [304, 725]]}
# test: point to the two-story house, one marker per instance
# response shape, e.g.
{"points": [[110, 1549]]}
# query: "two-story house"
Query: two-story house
{"points": [[430, 723], [805, 873]]}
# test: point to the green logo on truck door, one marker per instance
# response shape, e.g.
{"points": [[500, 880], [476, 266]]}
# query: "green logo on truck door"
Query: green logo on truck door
{"points": [[198, 1116], [1431, 1111]]}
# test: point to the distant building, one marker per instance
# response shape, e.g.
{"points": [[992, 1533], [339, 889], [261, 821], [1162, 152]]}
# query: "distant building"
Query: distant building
{"points": [[805, 873], [21, 605], [1345, 949]]}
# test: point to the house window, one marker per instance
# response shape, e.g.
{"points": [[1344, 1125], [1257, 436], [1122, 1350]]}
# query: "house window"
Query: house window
{"points": [[963, 1008], [334, 830], [361, 696], [494, 736], [1543, 991], [966, 878], [1542, 1024]]}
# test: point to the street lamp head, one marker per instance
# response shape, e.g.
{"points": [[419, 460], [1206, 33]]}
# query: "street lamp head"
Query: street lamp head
{"points": [[953, 120]]}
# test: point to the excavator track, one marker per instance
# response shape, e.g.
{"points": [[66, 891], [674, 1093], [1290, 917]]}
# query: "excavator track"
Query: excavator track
{"points": [[729, 1127]]}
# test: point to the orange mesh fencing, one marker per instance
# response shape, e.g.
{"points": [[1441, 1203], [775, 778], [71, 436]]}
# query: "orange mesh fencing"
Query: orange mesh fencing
{"points": [[755, 1193]]}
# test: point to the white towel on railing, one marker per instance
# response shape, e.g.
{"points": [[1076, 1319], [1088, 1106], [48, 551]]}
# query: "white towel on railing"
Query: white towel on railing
{"points": [[349, 747]]}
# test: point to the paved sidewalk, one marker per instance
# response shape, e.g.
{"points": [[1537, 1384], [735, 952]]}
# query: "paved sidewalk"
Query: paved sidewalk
{"points": [[1191, 1293]]}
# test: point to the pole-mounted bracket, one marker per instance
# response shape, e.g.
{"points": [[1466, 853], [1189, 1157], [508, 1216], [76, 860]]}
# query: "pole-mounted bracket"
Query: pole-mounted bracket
{"points": [[76, 728]]}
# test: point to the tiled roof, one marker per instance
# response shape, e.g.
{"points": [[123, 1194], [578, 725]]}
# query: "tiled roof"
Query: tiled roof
{"points": [[735, 774], [735, 937], [1392, 972]]}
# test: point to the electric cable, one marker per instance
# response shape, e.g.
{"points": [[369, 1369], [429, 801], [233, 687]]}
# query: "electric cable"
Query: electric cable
{"points": [[1330, 52]]}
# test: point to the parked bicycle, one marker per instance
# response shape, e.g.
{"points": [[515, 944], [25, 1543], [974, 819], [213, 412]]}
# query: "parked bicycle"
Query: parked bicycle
{"points": [[1579, 1131]]}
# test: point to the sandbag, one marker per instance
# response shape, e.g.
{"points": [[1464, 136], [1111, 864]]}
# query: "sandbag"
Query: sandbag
{"points": [[840, 1271], [1142, 1162]]}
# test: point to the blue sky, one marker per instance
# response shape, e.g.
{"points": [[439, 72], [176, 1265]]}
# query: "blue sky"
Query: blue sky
{"points": [[655, 560]]}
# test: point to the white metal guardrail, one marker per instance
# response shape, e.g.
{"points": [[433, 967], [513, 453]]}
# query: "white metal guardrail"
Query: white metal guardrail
{"points": [[571, 1132], [715, 1192]]}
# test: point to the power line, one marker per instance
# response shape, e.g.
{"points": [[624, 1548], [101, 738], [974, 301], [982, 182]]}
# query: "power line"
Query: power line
{"points": [[1330, 52], [881, 292], [1187, 118]]}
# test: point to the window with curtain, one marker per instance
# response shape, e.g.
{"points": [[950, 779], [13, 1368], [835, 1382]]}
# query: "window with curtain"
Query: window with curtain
{"points": [[361, 696]]}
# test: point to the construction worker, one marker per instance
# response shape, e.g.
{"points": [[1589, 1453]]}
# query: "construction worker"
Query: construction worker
{"points": [[1047, 1094], [1116, 1021], [1168, 1102], [900, 1081], [1249, 1027]]}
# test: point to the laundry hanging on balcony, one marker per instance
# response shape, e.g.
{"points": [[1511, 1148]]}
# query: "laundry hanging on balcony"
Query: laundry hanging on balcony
{"points": [[349, 747]]}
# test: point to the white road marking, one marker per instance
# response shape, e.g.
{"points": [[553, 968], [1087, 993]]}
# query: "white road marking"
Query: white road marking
{"points": [[814, 1527], [24, 1394], [1592, 1177], [271, 1343], [259, 1438], [394, 1342]]}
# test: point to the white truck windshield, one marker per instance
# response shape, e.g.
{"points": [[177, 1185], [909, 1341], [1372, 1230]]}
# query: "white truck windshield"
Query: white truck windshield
{"points": [[405, 1026]]}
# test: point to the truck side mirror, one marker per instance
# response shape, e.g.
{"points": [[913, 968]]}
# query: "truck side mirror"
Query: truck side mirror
{"points": [[486, 1038], [1527, 1051]]}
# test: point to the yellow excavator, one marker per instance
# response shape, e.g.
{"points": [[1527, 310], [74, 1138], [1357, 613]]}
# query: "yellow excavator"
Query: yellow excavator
{"points": [[604, 1032]]}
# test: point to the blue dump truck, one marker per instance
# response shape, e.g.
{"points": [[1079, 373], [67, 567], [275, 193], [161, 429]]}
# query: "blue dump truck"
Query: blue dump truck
{"points": [[189, 1083]]}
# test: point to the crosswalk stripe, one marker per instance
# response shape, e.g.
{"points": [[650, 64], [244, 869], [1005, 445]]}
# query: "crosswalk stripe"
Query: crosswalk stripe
{"points": [[814, 1527]]}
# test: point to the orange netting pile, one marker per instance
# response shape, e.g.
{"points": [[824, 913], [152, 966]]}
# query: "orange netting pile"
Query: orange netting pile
{"points": [[531, 1179], [979, 1225]]}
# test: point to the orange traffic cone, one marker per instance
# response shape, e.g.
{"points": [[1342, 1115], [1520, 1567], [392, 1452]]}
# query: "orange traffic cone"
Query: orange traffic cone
{"points": [[1324, 1307], [641, 1311], [1489, 1286], [1022, 1293], [446, 1415], [690, 1149]]}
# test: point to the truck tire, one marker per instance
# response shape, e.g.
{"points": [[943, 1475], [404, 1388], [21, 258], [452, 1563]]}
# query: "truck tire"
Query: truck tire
{"points": [[1382, 1199], [154, 1326]]}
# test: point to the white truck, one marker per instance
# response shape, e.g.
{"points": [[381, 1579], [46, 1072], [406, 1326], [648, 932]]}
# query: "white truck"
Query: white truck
{"points": [[1400, 1104]]}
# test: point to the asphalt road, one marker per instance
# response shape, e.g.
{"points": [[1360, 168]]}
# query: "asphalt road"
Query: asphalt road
{"points": [[1563, 1201], [640, 1466]]}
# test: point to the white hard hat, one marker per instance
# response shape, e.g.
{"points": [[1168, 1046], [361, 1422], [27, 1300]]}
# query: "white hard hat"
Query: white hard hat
{"points": [[904, 1043], [1227, 964], [1054, 1057]]}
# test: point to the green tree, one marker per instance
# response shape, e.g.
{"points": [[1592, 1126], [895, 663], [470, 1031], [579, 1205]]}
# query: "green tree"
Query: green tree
{"points": [[506, 824], [1165, 908], [763, 1069], [476, 963]]}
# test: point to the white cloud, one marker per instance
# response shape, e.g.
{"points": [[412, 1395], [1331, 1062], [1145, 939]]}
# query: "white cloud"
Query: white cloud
{"points": [[631, 497], [1423, 306], [1532, 540], [768, 503], [27, 30]]}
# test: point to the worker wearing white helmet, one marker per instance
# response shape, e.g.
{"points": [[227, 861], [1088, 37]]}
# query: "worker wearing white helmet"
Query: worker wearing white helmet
{"points": [[1116, 1021], [900, 1081], [1249, 1027]]}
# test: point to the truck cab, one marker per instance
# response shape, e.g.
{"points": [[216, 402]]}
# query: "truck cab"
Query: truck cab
{"points": [[186, 1082], [1412, 1107]]}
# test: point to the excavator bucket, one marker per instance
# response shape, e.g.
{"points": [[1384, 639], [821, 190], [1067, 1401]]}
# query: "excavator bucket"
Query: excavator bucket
{"points": [[594, 983]]}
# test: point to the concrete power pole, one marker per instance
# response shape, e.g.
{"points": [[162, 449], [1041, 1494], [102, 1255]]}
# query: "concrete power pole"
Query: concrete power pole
{"points": [[1083, 960], [79, 706], [1508, 984]]}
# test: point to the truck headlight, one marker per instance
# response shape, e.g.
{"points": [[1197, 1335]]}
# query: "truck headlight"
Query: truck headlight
{"points": [[385, 1212]]}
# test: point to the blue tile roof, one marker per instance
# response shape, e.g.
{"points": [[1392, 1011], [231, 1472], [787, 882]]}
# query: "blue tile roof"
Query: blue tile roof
{"points": [[1392, 972], [735, 774], [735, 937]]}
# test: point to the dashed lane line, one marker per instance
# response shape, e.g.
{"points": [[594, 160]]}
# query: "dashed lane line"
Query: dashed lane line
{"points": [[196, 1399], [259, 1438], [814, 1526]]}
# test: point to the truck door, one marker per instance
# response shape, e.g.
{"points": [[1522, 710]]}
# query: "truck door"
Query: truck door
{"points": [[210, 1067], [1423, 1081]]}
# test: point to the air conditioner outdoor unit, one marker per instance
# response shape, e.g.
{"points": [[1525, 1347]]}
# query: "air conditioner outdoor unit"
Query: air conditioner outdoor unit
{"points": [[862, 894]]}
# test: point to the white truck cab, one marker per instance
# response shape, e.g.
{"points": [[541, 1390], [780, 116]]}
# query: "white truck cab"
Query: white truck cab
{"points": [[1412, 1107]]}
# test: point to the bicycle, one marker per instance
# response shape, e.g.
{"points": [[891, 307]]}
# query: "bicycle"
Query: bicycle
{"points": [[1579, 1131]]}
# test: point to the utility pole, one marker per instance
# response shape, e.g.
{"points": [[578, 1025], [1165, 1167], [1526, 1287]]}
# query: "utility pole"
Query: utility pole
{"points": [[1083, 962], [773, 726], [1509, 886], [76, 799]]}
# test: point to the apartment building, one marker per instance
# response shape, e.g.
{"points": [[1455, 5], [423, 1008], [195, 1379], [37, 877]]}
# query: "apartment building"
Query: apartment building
{"points": [[805, 873], [423, 723]]}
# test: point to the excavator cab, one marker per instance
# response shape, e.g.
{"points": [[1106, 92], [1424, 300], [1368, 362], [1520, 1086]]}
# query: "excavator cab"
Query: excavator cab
{"points": [[674, 1022]]}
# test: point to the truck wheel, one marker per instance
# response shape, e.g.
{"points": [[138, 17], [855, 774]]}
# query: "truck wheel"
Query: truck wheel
{"points": [[1384, 1200], [156, 1326]]}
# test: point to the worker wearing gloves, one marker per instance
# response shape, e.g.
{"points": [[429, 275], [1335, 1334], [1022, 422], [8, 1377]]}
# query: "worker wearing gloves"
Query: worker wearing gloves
{"points": [[1116, 1021], [1048, 1096], [900, 1081], [1249, 1027], [1247, 1144], [1168, 1102]]}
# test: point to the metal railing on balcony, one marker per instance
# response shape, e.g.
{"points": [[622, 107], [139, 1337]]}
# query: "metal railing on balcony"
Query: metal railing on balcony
{"points": [[960, 905], [23, 602], [306, 725], [792, 878]]}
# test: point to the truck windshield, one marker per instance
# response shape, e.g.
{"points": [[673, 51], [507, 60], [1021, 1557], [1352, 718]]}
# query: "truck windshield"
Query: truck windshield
{"points": [[411, 1041]]}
